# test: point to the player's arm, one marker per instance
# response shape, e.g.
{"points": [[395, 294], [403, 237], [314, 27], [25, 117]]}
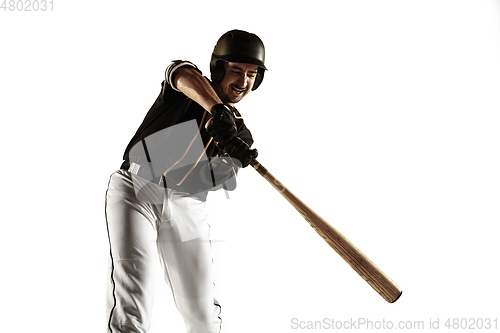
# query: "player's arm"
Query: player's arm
{"points": [[186, 78], [192, 84]]}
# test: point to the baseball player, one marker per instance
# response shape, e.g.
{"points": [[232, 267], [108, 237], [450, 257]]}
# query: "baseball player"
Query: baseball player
{"points": [[192, 141]]}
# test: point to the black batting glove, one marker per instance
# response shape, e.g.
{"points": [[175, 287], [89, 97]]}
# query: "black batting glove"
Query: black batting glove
{"points": [[222, 126], [239, 150]]}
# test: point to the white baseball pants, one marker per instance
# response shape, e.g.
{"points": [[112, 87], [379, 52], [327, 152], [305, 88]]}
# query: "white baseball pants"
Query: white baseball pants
{"points": [[145, 220]]}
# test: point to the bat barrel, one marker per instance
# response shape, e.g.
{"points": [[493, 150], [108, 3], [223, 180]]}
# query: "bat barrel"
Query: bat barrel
{"points": [[358, 261]]}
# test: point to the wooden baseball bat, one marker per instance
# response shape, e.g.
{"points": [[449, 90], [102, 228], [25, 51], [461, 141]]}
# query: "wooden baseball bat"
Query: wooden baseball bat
{"points": [[377, 279]]}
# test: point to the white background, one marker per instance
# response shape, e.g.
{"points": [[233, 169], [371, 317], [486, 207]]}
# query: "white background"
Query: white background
{"points": [[382, 116]]}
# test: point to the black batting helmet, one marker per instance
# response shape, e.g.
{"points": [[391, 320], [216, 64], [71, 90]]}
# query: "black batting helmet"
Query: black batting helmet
{"points": [[238, 46]]}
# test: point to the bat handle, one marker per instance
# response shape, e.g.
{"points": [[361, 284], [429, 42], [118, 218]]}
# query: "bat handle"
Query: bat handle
{"points": [[257, 166]]}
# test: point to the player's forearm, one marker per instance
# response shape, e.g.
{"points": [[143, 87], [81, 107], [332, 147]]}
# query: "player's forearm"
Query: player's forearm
{"points": [[196, 87]]}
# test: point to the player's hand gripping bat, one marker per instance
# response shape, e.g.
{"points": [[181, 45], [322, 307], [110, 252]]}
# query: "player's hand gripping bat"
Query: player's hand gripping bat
{"points": [[379, 281]]}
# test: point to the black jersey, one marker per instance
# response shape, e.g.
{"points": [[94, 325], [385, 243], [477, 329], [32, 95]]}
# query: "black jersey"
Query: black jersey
{"points": [[172, 141]]}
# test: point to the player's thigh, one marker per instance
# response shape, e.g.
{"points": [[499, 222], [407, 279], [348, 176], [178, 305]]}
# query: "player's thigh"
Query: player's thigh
{"points": [[188, 263], [131, 222]]}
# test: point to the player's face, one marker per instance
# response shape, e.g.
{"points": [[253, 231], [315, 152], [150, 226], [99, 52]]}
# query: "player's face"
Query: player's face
{"points": [[238, 81]]}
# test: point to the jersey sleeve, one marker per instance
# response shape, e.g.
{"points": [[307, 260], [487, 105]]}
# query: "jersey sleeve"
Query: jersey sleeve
{"points": [[175, 65]]}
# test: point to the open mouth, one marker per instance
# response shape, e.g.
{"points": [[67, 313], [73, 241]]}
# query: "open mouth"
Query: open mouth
{"points": [[236, 90]]}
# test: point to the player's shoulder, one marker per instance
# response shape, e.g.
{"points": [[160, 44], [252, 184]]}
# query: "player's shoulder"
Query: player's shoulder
{"points": [[175, 65]]}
